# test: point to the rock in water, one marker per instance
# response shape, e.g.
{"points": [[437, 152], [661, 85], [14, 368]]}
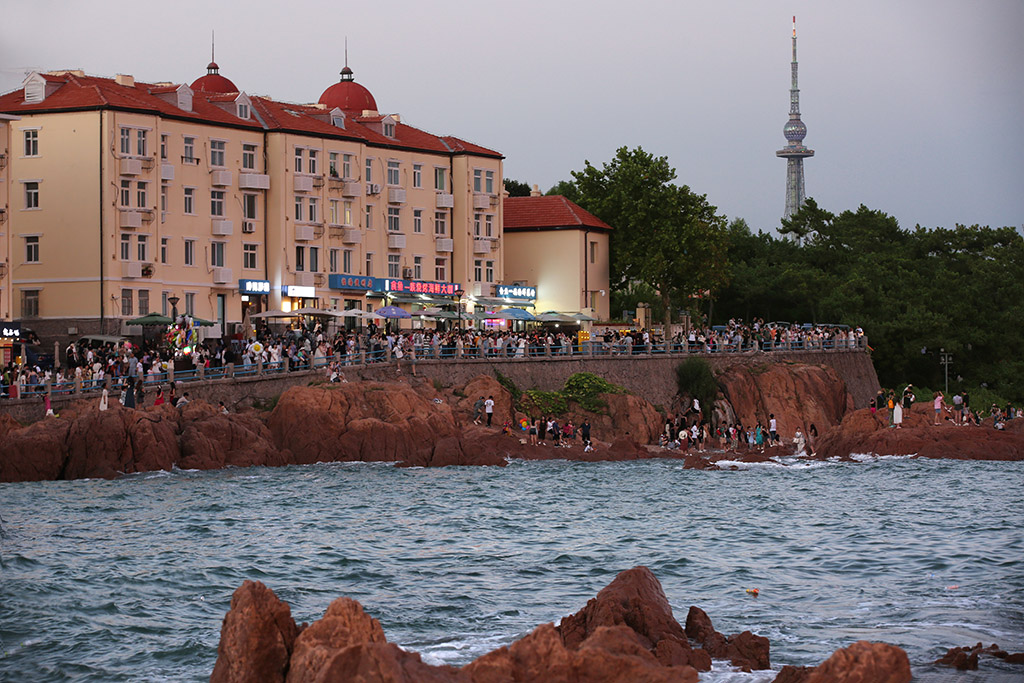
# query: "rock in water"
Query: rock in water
{"points": [[256, 638]]}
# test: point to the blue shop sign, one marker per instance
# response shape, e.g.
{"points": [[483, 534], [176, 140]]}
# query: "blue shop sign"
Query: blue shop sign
{"points": [[254, 286], [10, 330], [515, 292]]}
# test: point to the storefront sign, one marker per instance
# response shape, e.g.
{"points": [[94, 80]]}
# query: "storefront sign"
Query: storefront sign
{"points": [[354, 282], [254, 286], [10, 330], [299, 292], [515, 292], [377, 284]]}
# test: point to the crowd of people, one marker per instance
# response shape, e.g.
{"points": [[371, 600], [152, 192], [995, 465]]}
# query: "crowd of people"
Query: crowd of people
{"points": [[690, 431], [958, 411]]}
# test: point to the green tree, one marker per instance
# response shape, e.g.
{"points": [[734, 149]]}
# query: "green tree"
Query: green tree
{"points": [[665, 236], [517, 188], [565, 188]]}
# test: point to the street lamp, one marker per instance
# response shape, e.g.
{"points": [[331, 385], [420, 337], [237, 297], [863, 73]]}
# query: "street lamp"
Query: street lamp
{"points": [[945, 359], [173, 301]]}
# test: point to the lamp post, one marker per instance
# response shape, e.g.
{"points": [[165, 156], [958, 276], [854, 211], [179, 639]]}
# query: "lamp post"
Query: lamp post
{"points": [[945, 359], [173, 301]]}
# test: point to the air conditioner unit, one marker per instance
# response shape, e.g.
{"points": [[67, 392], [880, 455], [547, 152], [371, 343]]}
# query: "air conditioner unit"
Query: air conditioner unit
{"points": [[351, 188], [396, 241], [221, 276], [445, 200], [304, 233], [131, 166], [446, 244], [253, 181], [220, 178], [352, 236], [248, 227], [372, 188], [407, 273], [481, 246], [303, 183], [481, 201], [166, 171], [396, 195], [222, 227]]}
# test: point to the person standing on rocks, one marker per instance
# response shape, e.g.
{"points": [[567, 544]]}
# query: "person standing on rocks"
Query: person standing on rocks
{"points": [[585, 432], [478, 410], [773, 430], [489, 409], [938, 402]]}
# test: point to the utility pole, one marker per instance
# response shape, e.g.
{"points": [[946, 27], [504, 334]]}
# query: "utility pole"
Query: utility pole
{"points": [[945, 359]]}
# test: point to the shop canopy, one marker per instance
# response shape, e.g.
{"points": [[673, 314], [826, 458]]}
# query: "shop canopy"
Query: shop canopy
{"points": [[150, 319], [556, 317], [272, 314], [514, 314]]}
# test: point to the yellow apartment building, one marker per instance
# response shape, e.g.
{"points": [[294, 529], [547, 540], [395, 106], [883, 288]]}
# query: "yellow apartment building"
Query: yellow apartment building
{"points": [[121, 198]]}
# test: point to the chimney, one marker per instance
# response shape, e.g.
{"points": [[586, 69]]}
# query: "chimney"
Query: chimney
{"points": [[125, 80], [535, 192]]}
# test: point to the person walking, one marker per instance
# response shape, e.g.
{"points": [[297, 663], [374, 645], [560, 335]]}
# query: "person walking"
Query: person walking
{"points": [[478, 410], [489, 409]]}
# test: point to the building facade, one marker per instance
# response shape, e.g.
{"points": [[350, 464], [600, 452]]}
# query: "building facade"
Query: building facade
{"points": [[123, 198], [560, 250]]}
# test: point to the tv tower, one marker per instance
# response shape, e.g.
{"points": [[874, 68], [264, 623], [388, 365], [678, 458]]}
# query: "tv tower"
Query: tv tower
{"points": [[794, 152]]}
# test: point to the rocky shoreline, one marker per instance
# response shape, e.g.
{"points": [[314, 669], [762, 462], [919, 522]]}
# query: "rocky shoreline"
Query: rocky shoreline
{"points": [[415, 423]]}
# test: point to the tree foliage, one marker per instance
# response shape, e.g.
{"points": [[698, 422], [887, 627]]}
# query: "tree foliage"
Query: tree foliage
{"points": [[517, 188], [694, 378]]}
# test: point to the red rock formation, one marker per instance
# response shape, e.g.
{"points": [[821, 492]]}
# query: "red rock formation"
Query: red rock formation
{"points": [[966, 658], [799, 395], [256, 638], [628, 416], [862, 662], [212, 440], [864, 432], [745, 650]]}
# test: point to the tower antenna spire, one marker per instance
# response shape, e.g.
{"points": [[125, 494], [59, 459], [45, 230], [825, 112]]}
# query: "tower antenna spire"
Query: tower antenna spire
{"points": [[346, 50], [213, 42], [794, 152]]}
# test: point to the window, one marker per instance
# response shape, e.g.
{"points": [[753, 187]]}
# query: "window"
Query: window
{"points": [[126, 193], [249, 157], [313, 209], [298, 160], [369, 170], [478, 180], [417, 267], [417, 220], [346, 166], [489, 271], [163, 249], [314, 259], [439, 180], [488, 225], [300, 259], [126, 246], [249, 256], [189, 157], [190, 200], [593, 252], [393, 175], [249, 207], [389, 130], [30, 303], [243, 111], [476, 224], [478, 270], [217, 148], [369, 217], [394, 265], [126, 141], [489, 182], [163, 198], [417, 175], [332, 261], [440, 223], [143, 302], [190, 303], [32, 249], [369, 265], [32, 195], [126, 302], [163, 303], [216, 202], [140, 143], [332, 164], [298, 208], [346, 261], [190, 252], [163, 147], [140, 194], [440, 269], [335, 212], [31, 143], [348, 213], [217, 254], [312, 162], [394, 224], [143, 248]]}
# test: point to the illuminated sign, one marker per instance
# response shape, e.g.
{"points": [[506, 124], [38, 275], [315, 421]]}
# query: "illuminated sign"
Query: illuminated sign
{"points": [[377, 284], [254, 286], [10, 330], [299, 292], [515, 291]]}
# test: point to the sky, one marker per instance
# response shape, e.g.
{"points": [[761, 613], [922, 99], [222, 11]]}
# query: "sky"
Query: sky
{"points": [[913, 107]]}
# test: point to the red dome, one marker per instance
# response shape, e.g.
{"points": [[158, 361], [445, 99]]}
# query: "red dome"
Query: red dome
{"points": [[213, 81], [348, 95]]}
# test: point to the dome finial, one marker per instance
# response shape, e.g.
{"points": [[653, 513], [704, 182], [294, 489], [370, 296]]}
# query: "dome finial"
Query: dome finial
{"points": [[346, 73]]}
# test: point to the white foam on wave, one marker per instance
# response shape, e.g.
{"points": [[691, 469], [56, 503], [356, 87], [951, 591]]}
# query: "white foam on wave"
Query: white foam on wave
{"points": [[459, 652], [874, 457], [740, 465]]}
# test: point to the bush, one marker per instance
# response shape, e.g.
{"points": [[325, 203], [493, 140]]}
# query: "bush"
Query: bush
{"points": [[694, 378], [540, 403], [585, 388]]}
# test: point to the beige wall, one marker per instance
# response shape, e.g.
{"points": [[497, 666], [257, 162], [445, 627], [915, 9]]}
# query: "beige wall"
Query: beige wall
{"points": [[6, 125]]}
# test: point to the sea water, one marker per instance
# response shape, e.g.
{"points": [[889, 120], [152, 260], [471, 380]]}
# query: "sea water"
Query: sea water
{"points": [[130, 579]]}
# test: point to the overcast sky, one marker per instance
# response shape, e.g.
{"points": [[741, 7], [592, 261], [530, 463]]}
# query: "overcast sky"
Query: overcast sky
{"points": [[915, 108]]}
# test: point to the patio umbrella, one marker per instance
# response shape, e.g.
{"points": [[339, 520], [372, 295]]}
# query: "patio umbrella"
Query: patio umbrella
{"points": [[369, 315], [583, 317], [555, 317], [515, 314], [272, 314], [306, 310], [393, 312], [446, 315], [202, 323], [153, 318]]}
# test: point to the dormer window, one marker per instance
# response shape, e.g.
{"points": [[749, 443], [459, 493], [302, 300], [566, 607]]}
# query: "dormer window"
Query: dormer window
{"points": [[243, 111], [338, 121], [389, 129]]}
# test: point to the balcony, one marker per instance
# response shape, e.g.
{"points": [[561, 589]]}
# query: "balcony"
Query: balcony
{"points": [[334, 183], [396, 240], [304, 279], [396, 195], [130, 218], [303, 183], [352, 236], [223, 227], [352, 188], [304, 233], [221, 276], [481, 246], [481, 201], [444, 200], [253, 181], [131, 166], [220, 178], [445, 244], [131, 269], [166, 171]]}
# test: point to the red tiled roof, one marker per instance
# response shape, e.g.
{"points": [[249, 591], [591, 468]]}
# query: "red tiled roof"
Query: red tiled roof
{"points": [[92, 92], [548, 212]]}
